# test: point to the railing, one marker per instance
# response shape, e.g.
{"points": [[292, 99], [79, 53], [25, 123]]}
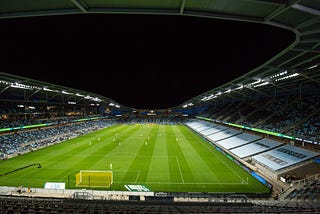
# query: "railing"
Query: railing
{"points": [[308, 180]]}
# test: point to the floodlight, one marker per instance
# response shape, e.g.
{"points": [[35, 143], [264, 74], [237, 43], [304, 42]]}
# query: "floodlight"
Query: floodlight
{"points": [[313, 66]]}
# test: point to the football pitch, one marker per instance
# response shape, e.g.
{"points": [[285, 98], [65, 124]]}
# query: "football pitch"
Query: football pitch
{"points": [[167, 158]]}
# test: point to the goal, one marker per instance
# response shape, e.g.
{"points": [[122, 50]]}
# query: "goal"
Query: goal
{"points": [[94, 178]]}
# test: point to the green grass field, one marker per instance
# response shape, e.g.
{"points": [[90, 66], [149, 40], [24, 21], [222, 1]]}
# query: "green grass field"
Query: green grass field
{"points": [[174, 159]]}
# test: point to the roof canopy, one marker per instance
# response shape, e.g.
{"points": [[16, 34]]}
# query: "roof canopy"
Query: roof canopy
{"points": [[294, 68]]}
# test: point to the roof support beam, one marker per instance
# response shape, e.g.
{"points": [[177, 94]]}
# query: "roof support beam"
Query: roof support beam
{"points": [[281, 87], [243, 94], [68, 97], [275, 13], [289, 60], [310, 78], [309, 22], [310, 41], [279, 2], [39, 13], [306, 9], [33, 93], [276, 24], [224, 16], [52, 96], [4, 89], [280, 10], [309, 60], [260, 92], [305, 50], [80, 5], [183, 3], [310, 32]]}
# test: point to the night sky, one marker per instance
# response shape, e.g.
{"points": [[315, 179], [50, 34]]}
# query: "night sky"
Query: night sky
{"points": [[141, 61]]}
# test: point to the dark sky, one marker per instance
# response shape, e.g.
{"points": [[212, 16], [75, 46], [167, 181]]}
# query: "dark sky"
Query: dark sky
{"points": [[141, 61]]}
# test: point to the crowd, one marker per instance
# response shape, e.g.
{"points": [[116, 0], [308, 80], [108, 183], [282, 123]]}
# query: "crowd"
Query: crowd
{"points": [[290, 115], [23, 141]]}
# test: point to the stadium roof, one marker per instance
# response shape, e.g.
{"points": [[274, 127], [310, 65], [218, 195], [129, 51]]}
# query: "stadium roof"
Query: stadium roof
{"points": [[294, 68], [43, 92]]}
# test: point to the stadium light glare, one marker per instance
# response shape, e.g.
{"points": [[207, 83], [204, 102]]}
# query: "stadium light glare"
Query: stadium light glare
{"points": [[279, 74], [308, 141], [4, 82], [96, 99], [117, 106], [255, 82], [71, 103], [211, 96], [65, 92], [287, 77], [238, 88], [188, 104], [313, 66], [261, 84], [79, 95], [20, 106], [21, 86], [111, 104], [47, 89]]}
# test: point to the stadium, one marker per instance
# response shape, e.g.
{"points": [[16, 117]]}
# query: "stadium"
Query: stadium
{"points": [[250, 145]]}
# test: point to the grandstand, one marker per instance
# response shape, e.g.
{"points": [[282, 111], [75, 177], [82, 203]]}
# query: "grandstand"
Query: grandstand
{"points": [[254, 148], [262, 128]]}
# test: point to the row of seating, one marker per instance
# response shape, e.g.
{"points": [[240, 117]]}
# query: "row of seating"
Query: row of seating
{"points": [[256, 147], [290, 115], [18, 121], [11, 204], [157, 120], [284, 156], [238, 140], [272, 154], [310, 192], [24, 141]]}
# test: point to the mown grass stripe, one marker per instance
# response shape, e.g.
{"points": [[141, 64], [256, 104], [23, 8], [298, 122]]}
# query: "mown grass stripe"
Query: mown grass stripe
{"points": [[139, 163], [205, 156], [175, 149], [173, 165], [158, 168]]}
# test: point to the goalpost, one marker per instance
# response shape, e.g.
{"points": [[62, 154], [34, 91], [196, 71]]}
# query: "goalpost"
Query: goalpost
{"points": [[94, 178]]}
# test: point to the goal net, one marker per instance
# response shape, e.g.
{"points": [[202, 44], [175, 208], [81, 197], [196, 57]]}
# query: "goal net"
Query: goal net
{"points": [[94, 178]]}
